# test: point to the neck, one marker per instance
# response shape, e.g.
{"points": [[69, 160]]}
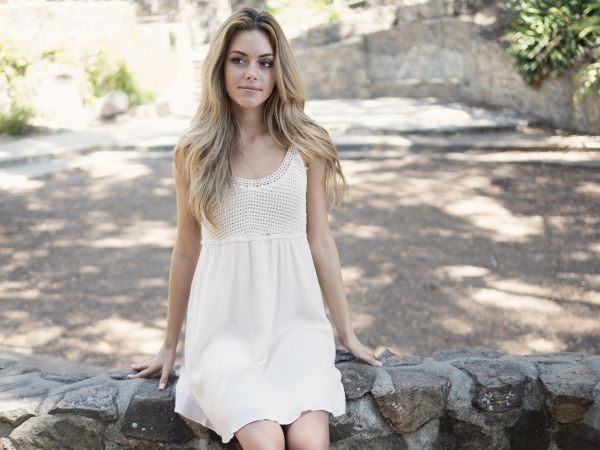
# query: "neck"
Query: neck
{"points": [[250, 121]]}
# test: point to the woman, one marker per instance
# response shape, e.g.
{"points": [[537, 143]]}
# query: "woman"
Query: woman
{"points": [[254, 252]]}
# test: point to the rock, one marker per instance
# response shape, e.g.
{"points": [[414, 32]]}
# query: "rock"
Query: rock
{"points": [[97, 402], [343, 356], [592, 416], [21, 396], [393, 442], [480, 352], [577, 436], [499, 386], [67, 378], [418, 396], [530, 431], [18, 369], [112, 103], [357, 378], [593, 363], [362, 419], [455, 434], [555, 357], [568, 386], [423, 437], [385, 354], [59, 432], [151, 416], [403, 360], [466, 401]]}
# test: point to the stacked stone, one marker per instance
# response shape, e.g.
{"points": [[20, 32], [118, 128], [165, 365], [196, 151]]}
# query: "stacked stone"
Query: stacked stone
{"points": [[469, 399]]}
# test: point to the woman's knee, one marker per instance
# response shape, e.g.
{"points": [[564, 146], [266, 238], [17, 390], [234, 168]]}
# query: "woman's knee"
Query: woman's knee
{"points": [[261, 434], [309, 431]]}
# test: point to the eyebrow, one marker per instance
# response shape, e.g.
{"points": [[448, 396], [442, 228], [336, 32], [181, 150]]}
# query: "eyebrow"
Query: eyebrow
{"points": [[260, 56]]}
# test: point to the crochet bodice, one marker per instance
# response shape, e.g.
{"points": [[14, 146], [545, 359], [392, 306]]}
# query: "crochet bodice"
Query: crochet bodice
{"points": [[263, 208]]}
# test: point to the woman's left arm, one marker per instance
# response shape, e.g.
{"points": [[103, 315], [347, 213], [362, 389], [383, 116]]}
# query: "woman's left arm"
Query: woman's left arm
{"points": [[327, 262]]}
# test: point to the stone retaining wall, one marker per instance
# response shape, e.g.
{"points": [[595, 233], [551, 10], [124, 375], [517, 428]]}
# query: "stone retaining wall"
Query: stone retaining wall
{"points": [[455, 399], [453, 50]]}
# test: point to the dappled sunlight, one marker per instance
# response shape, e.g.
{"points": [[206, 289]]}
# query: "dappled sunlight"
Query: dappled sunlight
{"points": [[49, 225], [533, 343], [519, 287], [362, 320], [459, 272], [352, 274], [363, 231], [457, 195], [521, 302], [581, 256], [526, 155], [152, 282], [22, 289], [30, 333], [588, 188], [356, 277], [455, 325], [142, 232], [485, 213], [434, 255], [19, 183], [118, 334], [114, 164], [88, 269]]}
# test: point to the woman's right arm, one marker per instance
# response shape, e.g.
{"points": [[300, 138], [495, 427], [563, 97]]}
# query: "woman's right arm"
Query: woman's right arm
{"points": [[183, 261], [183, 264]]}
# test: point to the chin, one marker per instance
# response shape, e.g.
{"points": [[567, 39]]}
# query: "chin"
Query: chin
{"points": [[247, 104]]}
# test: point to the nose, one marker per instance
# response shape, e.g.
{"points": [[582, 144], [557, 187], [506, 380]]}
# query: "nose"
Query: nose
{"points": [[250, 72]]}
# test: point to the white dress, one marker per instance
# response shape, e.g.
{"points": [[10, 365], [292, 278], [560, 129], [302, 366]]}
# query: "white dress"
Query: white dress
{"points": [[258, 344]]}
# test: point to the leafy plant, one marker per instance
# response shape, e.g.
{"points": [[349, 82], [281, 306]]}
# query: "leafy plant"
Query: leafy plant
{"points": [[16, 121], [14, 63], [105, 74], [551, 37]]}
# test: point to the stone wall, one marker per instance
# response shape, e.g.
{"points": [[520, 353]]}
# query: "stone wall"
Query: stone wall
{"points": [[450, 49], [468, 399]]}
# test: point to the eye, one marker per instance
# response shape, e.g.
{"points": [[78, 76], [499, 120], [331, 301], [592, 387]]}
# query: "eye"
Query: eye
{"points": [[269, 63], [234, 59]]}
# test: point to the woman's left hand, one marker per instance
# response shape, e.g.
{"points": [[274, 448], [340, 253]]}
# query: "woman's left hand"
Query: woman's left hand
{"points": [[360, 351]]}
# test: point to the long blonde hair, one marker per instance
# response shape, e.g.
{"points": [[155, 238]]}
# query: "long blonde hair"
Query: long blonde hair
{"points": [[204, 152]]}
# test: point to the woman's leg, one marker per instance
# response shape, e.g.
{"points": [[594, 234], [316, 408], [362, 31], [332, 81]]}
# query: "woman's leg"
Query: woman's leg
{"points": [[261, 434], [310, 431]]}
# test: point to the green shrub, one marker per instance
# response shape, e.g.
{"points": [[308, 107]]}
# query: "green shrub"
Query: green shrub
{"points": [[548, 38], [105, 74], [16, 121], [14, 63]]}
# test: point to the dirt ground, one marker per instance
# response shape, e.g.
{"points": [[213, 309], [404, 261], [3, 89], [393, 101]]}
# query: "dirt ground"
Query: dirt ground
{"points": [[439, 251]]}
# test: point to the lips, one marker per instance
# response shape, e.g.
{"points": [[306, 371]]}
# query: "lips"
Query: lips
{"points": [[250, 88]]}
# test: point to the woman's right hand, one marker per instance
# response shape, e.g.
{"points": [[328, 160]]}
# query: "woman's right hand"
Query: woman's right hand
{"points": [[164, 359]]}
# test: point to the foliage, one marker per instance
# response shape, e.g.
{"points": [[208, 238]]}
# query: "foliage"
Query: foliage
{"points": [[14, 63], [332, 7], [550, 37], [15, 121], [104, 74]]}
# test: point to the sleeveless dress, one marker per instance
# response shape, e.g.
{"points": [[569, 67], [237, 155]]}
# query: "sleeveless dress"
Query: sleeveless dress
{"points": [[258, 343]]}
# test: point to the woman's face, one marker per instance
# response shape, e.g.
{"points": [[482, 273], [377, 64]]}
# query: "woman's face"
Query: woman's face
{"points": [[249, 73]]}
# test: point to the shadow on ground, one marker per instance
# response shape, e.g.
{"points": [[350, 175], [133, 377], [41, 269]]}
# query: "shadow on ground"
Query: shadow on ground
{"points": [[436, 254]]}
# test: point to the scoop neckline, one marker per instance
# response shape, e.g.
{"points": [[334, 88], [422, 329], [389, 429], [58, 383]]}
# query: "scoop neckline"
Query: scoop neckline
{"points": [[261, 180]]}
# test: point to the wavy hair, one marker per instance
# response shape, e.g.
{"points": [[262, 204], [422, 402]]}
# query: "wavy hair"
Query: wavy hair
{"points": [[204, 152]]}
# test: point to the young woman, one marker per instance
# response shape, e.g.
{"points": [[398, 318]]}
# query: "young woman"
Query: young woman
{"points": [[254, 252]]}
